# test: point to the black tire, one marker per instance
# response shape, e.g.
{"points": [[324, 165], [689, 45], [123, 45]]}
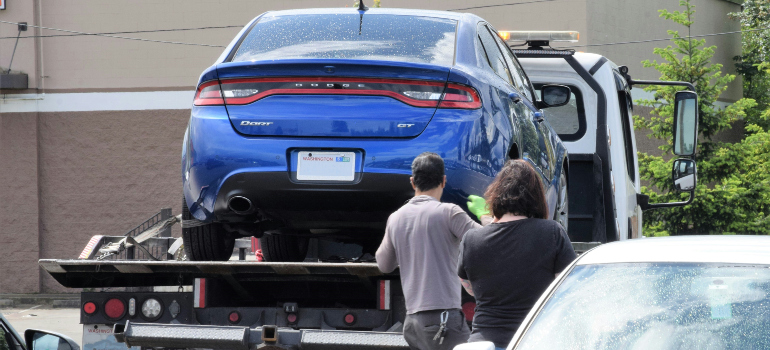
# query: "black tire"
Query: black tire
{"points": [[208, 242], [283, 247]]}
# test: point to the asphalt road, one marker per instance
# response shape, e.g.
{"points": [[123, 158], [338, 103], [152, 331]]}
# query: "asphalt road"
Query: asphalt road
{"points": [[64, 321]]}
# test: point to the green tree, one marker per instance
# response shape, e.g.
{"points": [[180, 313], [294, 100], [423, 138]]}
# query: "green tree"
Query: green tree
{"points": [[755, 24], [727, 198]]}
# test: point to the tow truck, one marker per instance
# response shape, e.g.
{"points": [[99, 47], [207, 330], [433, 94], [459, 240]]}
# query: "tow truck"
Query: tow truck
{"points": [[329, 302]]}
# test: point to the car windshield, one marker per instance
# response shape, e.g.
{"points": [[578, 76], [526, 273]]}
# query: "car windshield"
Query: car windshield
{"points": [[656, 306], [351, 36]]}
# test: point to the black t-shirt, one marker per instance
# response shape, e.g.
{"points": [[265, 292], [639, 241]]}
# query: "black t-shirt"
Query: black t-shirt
{"points": [[510, 265]]}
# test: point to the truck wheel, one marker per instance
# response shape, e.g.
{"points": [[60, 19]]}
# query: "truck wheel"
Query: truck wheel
{"points": [[208, 242], [279, 247], [562, 206]]}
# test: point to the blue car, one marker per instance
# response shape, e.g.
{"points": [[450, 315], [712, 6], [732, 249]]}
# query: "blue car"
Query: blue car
{"points": [[307, 125]]}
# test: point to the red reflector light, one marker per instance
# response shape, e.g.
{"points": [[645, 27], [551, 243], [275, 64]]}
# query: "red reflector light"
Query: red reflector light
{"points": [[469, 309], [114, 308], [350, 319], [234, 317], [89, 308], [292, 318]]}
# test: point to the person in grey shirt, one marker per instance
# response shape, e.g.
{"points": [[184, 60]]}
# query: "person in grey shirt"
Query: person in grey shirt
{"points": [[422, 238]]}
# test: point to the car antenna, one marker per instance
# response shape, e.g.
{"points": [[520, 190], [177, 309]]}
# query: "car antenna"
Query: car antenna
{"points": [[362, 8]]}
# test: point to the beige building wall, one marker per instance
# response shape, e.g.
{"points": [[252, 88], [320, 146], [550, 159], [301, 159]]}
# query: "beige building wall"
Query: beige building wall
{"points": [[612, 21], [93, 147]]}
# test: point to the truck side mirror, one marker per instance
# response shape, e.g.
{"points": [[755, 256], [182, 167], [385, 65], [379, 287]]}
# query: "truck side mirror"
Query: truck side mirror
{"points": [[684, 175], [685, 123], [554, 96], [44, 340]]}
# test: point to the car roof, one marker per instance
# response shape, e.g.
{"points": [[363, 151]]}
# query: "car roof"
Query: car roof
{"points": [[694, 249], [372, 11]]}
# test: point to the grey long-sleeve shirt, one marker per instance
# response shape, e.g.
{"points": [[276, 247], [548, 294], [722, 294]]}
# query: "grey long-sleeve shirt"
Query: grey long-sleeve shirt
{"points": [[423, 239]]}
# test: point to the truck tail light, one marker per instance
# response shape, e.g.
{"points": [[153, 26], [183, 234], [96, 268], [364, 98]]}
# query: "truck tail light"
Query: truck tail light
{"points": [[152, 309], [417, 93], [349, 319], [115, 308], [234, 317], [132, 307], [89, 308]]}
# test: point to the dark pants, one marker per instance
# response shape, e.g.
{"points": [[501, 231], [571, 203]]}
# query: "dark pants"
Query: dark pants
{"points": [[421, 327]]}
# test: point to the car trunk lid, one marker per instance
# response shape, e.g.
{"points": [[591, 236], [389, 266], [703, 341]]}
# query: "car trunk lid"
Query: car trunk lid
{"points": [[332, 98]]}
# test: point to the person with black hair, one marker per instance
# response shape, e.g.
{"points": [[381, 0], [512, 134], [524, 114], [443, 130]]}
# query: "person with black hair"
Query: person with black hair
{"points": [[422, 238]]}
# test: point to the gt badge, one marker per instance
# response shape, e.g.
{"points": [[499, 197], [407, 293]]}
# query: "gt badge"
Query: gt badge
{"points": [[405, 125]]}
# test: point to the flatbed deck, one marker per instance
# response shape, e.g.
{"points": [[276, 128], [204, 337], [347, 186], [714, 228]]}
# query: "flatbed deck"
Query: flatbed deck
{"points": [[132, 273]]}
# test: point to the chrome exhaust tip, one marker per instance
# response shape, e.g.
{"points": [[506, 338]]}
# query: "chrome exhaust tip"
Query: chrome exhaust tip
{"points": [[240, 205]]}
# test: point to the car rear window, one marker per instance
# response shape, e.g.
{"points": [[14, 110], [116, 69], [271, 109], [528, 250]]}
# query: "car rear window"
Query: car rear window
{"points": [[351, 36]]}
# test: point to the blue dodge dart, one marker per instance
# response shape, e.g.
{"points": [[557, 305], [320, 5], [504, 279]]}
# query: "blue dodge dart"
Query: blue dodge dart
{"points": [[307, 124]]}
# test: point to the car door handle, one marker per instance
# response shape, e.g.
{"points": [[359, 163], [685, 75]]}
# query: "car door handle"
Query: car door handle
{"points": [[538, 116], [515, 97]]}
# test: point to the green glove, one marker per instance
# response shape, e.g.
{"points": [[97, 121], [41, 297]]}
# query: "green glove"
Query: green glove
{"points": [[478, 206]]}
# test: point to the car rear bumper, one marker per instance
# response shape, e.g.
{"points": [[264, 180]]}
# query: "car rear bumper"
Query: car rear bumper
{"points": [[366, 203]]}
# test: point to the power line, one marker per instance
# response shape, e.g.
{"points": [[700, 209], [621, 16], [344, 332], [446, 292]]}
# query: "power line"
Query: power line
{"points": [[498, 5], [129, 32], [664, 39], [116, 36]]}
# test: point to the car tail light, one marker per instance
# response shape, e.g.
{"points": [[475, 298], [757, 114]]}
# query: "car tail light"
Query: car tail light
{"points": [[114, 308], [469, 309], [89, 308], [460, 96], [208, 94], [417, 93], [291, 318]]}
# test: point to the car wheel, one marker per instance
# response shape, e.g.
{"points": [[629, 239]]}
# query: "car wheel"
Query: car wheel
{"points": [[280, 247], [562, 206], [207, 242]]}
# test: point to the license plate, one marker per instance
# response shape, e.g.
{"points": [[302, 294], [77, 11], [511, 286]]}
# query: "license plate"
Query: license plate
{"points": [[326, 166], [100, 337]]}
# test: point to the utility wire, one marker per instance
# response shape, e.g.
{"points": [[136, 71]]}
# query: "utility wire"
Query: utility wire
{"points": [[116, 36], [664, 39], [129, 32], [498, 5]]}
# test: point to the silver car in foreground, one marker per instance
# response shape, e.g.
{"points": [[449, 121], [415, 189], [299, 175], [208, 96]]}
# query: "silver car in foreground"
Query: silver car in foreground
{"points": [[696, 292]]}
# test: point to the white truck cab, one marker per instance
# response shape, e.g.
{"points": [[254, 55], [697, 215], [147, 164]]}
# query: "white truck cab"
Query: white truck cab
{"points": [[596, 126]]}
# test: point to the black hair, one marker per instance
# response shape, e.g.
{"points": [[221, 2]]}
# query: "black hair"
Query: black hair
{"points": [[427, 171], [517, 189]]}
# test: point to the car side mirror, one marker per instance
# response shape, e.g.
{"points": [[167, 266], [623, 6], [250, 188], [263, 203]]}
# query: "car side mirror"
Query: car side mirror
{"points": [[554, 95], [685, 123], [479, 345], [684, 175], [44, 340]]}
